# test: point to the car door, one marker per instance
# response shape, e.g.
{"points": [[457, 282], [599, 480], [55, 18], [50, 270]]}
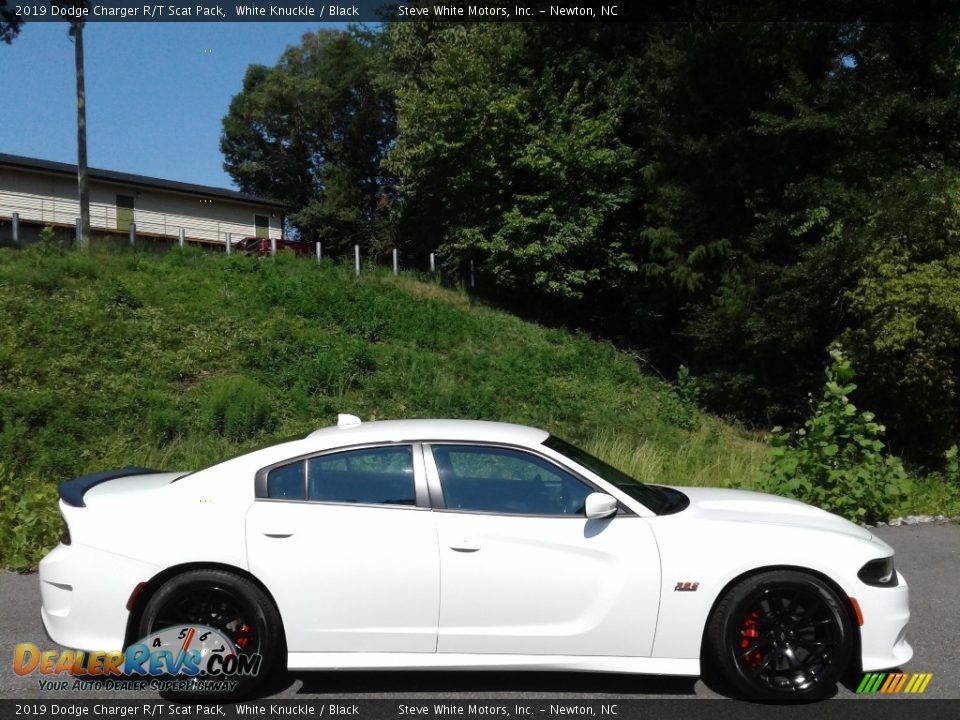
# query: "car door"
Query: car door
{"points": [[523, 571], [345, 543]]}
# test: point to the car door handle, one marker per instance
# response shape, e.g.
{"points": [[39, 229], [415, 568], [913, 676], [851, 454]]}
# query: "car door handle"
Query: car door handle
{"points": [[278, 534], [465, 546]]}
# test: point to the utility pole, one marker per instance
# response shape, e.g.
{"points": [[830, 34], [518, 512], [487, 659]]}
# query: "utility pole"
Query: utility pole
{"points": [[83, 241]]}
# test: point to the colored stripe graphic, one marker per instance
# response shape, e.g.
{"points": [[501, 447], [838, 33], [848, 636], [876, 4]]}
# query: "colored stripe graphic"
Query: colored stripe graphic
{"points": [[894, 683], [922, 680], [871, 683]]}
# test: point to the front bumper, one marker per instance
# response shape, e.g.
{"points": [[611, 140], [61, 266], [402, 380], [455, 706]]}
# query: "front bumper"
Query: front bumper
{"points": [[84, 593], [886, 612]]}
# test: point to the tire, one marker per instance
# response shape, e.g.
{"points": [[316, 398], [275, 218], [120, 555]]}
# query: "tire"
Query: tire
{"points": [[230, 604], [781, 635]]}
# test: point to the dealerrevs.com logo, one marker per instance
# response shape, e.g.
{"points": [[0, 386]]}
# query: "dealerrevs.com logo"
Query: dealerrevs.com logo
{"points": [[184, 658]]}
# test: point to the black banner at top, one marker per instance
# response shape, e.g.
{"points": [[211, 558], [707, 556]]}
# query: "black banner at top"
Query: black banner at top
{"points": [[489, 11]]}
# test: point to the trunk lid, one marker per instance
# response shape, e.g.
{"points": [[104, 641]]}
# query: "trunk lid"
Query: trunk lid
{"points": [[113, 483]]}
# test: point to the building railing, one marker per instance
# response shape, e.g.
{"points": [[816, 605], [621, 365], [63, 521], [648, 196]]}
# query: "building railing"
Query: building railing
{"points": [[103, 218]]}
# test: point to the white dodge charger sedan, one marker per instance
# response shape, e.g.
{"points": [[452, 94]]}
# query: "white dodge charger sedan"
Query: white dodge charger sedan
{"points": [[446, 544]]}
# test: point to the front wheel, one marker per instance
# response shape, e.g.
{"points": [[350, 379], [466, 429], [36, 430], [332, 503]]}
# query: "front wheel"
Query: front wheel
{"points": [[781, 635], [236, 609]]}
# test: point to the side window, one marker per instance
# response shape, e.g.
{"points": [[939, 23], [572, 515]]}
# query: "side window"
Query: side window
{"points": [[286, 482], [502, 480], [380, 476]]}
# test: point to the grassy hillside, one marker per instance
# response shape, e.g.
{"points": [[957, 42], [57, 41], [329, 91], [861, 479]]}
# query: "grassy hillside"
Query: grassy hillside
{"points": [[176, 361]]}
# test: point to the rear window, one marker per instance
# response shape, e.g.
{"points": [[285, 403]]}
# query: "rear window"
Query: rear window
{"points": [[367, 476], [286, 482]]}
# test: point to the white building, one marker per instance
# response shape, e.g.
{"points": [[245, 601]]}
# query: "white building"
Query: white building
{"points": [[41, 193]]}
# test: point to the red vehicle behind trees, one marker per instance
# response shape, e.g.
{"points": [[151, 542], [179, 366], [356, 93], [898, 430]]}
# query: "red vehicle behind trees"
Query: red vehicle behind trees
{"points": [[261, 246]]}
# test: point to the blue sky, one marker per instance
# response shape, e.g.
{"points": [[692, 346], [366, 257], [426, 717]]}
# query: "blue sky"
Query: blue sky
{"points": [[156, 92]]}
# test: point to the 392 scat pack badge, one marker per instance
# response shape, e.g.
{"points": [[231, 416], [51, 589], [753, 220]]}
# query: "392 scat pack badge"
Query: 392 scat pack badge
{"points": [[182, 659]]}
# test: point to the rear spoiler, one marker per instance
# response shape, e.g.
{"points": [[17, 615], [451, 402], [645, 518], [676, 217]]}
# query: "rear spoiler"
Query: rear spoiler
{"points": [[72, 491]]}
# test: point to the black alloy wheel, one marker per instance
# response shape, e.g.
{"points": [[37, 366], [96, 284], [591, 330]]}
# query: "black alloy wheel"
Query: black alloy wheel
{"points": [[228, 603], [782, 635]]}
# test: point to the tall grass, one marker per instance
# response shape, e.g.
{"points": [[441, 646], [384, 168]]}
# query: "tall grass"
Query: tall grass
{"points": [[713, 456], [176, 361]]}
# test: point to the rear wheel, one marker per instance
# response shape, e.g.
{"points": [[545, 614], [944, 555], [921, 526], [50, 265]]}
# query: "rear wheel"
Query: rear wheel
{"points": [[781, 635], [233, 606]]}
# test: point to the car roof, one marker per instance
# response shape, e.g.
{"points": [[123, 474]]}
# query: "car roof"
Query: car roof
{"points": [[424, 430]]}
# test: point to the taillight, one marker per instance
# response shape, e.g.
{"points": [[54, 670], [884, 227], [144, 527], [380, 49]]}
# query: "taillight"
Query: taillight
{"points": [[132, 600]]}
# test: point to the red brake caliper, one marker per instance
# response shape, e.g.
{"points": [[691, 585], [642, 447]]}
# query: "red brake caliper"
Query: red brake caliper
{"points": [[749, 635], [243, 637]]}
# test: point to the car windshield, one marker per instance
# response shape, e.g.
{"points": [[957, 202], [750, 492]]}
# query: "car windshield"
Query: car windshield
{"points": [[657, 499]]}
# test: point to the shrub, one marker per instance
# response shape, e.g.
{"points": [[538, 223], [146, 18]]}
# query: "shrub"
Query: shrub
{"points": [[29, 523], [164, 421], [681, 406], [951, 466], [117, 295], [238, 408], [49, 244], [836, 461]]}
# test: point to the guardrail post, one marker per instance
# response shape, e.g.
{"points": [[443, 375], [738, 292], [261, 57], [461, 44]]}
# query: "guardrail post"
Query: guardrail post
{"points": [[182, 237], [356, 259], [433, 263], [273, 247], [15, 222], [473, 282], [319, 253], [396, 263], [133, 234], [229, 244]]}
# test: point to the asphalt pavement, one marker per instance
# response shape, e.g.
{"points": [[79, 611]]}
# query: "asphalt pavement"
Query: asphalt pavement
{"points": [[928, 555]]}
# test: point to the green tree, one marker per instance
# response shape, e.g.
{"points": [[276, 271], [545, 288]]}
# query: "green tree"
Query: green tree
{"points": [[773, 145], [905, 311], [741, 237], [312, 132], [699, 191], [10, 22], [509, 156]]}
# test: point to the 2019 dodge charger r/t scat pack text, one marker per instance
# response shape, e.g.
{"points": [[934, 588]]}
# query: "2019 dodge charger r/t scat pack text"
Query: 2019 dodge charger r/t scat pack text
{"points": [[445, 544]]}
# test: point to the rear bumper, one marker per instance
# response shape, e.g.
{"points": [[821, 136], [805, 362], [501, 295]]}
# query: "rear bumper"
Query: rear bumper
{"points": [[84, 593], [886, 612]]}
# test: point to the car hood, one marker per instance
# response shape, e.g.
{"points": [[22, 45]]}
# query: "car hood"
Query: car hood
{"points": [[752, 507]]}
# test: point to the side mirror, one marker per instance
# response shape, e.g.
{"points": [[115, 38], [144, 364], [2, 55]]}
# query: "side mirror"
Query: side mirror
{"points": [[600, 505]]}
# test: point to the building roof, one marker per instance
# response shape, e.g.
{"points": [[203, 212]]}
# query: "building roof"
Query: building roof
{"points": [[58, 168]]}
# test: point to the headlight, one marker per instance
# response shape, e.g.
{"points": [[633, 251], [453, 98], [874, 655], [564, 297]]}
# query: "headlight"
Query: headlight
{"points": [[879, 572]]}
